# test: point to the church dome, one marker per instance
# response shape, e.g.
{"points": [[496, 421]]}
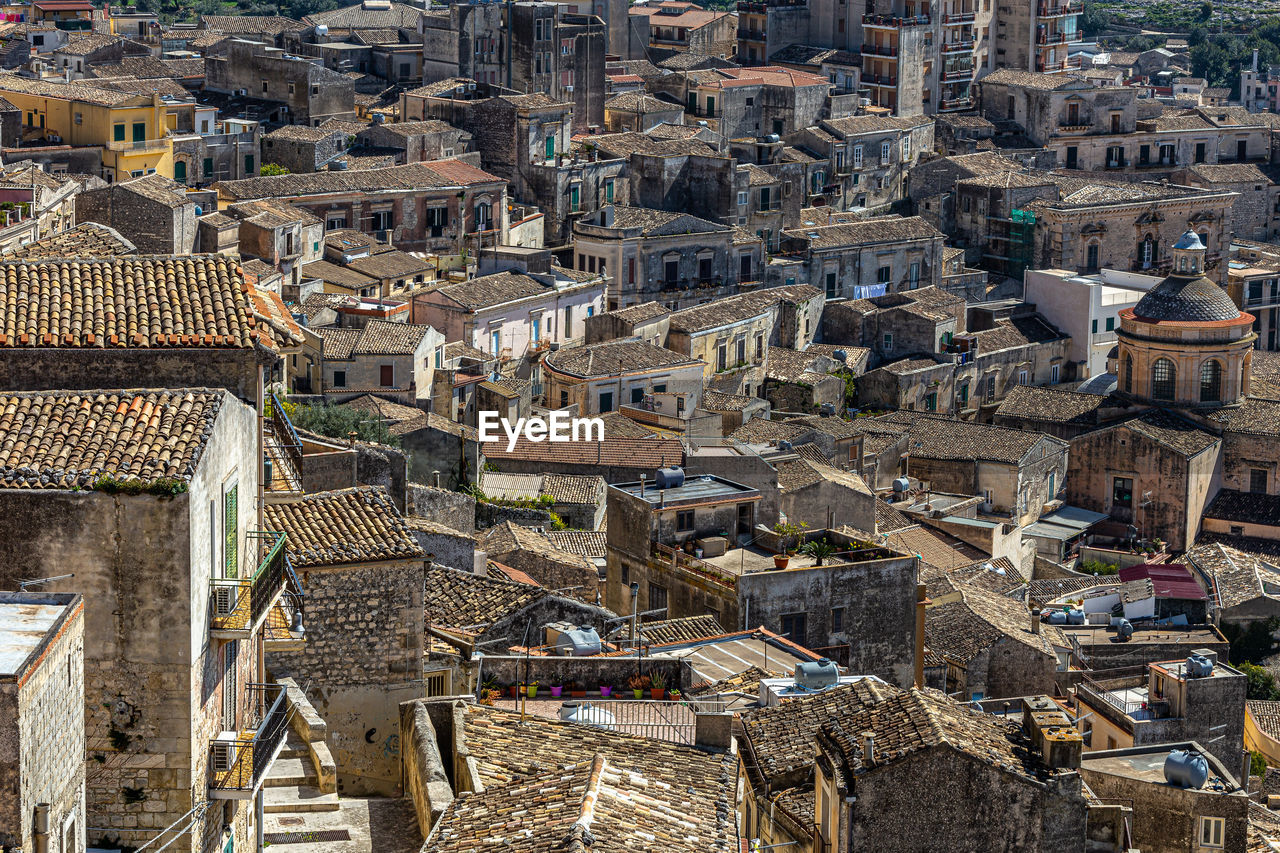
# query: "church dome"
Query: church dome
{"points": [[1186, 299]]}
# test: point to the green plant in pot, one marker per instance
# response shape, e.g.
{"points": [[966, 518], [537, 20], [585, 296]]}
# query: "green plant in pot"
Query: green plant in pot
{"points": [[531, 689], [819, 549], [658, 685], [638, 684]]}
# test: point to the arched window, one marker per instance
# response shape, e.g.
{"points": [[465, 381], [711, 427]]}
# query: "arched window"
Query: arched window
{"points": [[1091, 258], [1146, 252], [1128, 372], [1211, 381], [1164, 378]]}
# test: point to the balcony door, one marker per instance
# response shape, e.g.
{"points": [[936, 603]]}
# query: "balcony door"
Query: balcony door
{"points": [[230, 685]]}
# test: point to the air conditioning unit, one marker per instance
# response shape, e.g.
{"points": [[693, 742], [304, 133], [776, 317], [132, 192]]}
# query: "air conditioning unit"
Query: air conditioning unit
{"points": [[224, 752], [224, 600], [242, 92]]}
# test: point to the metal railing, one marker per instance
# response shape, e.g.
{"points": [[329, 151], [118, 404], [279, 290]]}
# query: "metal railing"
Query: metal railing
{"points": [[957, 46], [674, 721], [681, 560], [241, 765], [959, 18], [284, 439], [894, 22], [1102, 694], [239, 605], [879, 50]]}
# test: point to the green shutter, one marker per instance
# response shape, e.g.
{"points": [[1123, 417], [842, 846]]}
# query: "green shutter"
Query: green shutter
{"points": [[231, 530], [208, 167], [119, 132], [551, 147], [180, 172], [139, 131]]}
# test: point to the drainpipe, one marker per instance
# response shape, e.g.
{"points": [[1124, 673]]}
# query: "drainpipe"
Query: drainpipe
{"points": [[921, 600], [41, 832]]}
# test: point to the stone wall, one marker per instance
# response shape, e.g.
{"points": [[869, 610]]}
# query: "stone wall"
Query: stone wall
{"points": [[452, 509], [42, 738], [426, 781], [154, 227], [46, 369], [362, 657]]}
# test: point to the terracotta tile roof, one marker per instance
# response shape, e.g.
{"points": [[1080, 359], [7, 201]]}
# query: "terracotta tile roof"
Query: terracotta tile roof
{"points": [[780, 739], [889, 519], [381, 337], [746, 682], [1237, 576], [86, 240], [1041, 592], [618, 425], [647, 794], [1252, 417], [269, 25], [1036, 80], [917, 720], [1016, 332], [761, 431], [627, 452], [934, 547], [67, 439], [641, 312], [359, 525], [741, 307], [690, 628], [640, 102], [714, 401], [574, 488], [1169, 430], [961, 630], [338, 343], [887, 229], [856, 125], [496, 289], [944, 438], [1246, 507], [420, 177], [613, 357], [270, 309], [802, 473], [584, 543], [507, 539], [146, 301], [393, 413], [1266, 715], [360, 16], [1034, 402], [462, 600]]}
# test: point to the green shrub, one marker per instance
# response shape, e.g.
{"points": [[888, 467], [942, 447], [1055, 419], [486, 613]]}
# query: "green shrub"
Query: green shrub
{"points": [[340, 421], [1097, 567]]}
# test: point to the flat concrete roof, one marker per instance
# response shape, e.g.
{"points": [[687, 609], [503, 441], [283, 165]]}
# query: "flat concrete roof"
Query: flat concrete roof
{"points": [[1190, 636], [25, 621], [1147, 765], [697, 489]]}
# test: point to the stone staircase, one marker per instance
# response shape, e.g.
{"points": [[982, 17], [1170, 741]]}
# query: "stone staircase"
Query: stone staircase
{"points": [[304, 777]]}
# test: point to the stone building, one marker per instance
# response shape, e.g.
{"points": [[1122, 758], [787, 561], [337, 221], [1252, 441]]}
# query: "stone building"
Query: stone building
{"points": [[306, 92], [417, 141], [42, 774], [994, 647], [639, 112], [227, 346], [530, 552], [284, 236], [1254, 214], [395, 360], [173, 703], [683, 27], [152, 212], [599, 378], [1181, 705], [870, 155], [364, 574], [866, 761], [869, 257], [302, 148], [445, 207], [673, 258]]}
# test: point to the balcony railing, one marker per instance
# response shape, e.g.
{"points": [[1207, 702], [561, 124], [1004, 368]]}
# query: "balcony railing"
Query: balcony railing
{"points": [[957, 46], [1061, 10], [879, 50], [239, 605], [237, 766], [283, 449], [889, 22], [1050, 38], [958, 18], [955, 104], [957, 74], [681, 560], [750, 35], [139, 145], [875, 80]]}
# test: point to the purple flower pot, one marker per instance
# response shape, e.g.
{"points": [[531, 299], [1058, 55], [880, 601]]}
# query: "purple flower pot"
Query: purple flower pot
{"points": [[555, 692], [605, 690]]}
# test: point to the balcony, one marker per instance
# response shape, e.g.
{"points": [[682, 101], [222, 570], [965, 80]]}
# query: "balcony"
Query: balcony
{"points": [[889, 22], [874, 80], [750, 35], [238, 606], [958, 46], [955, 104], [958, 18], [1060, 10], [139, 146], [238, 765], [879, 50], [958, 74], [1051, 38]]}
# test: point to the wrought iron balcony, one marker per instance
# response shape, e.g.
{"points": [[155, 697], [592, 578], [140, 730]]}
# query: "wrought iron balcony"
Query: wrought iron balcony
{"points": [[283, 449], [239, 761], [238, 606]]}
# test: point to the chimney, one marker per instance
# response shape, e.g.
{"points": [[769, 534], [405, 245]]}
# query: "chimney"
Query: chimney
{"points": [[868, 749], [1255, 60], [435, 479], [921, 601], [1035, 621], [642, 485]]}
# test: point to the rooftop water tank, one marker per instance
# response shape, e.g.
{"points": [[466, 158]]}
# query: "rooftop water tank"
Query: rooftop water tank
{"points": [[1075, 617], [839, 354], [669, 478], [785, 445], [826, 410], [578, 642], [815, 675], [586, 714], [322, 29], [1186, 769], [901, 485], [1199, 667], [1055, 617], [1124, 630]]}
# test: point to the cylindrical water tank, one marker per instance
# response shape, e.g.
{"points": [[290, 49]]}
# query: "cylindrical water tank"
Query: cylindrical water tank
{"points": [[669, 478], [1186, 769], [1055, 617], [1124, 629], [815, 675], [1075, 617], [1199, 667], [901, 484]]}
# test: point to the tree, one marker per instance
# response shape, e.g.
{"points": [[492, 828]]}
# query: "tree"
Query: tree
{"points": [[1261, 683], [340, 422], [1206, 10], [1094, 19], [273, 169], [1198, 35], [1213, 63], [1137, 44]]}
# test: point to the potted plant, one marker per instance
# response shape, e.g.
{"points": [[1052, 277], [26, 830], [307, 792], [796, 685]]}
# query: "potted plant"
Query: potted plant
{"points": [[638, 684], [577, 690], [489, 696], [673, 694], [556, 690], [819, 549], [515, 690], [789, 535], [658, 684], [780, 561], [606, 690], [531, 690]]}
